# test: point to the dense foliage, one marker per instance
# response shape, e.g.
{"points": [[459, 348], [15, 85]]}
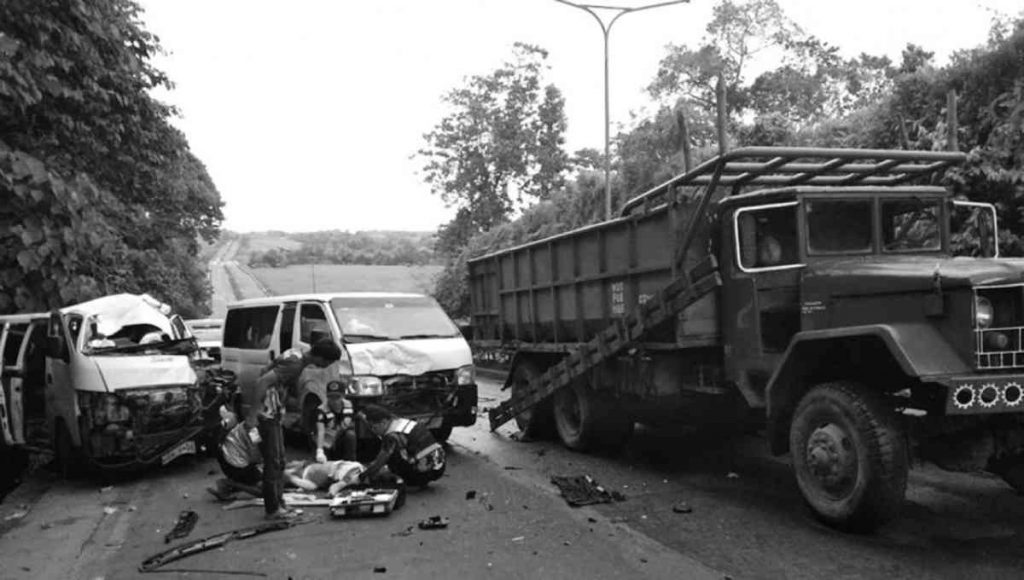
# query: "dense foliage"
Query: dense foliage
{"points": [[814, 97], [338, 247], [101, 194]]}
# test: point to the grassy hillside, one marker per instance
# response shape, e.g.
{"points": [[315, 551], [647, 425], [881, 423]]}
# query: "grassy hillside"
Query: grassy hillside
{"points": [[348, 278]]}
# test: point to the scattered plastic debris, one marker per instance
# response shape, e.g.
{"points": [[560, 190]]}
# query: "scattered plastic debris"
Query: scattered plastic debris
{"points": [[16, 515], [582, 490], [109, 510], [682, 508], [406, 532], [380, 569], [518, 538], [132, 508], [186, 522], [732, 475], [471, 494], [106, 489], [512, 468], [567, 543], [592, 520], [434, 523]]}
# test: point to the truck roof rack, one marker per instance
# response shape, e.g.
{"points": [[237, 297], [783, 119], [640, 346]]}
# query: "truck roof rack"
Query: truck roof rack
{"points": [[787, 166]]}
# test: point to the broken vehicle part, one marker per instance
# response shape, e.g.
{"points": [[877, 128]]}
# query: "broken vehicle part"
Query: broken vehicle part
{"points": [[183, 527], [579, 490], [216, 541]]}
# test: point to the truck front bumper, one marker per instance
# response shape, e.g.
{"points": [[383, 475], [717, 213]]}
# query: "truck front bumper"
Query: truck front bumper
{"points": [[983, 394]]}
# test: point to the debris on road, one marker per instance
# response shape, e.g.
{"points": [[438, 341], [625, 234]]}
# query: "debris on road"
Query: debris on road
{"points": [[471, 494], [511, 468], [732, 475], [106, 489], [434, 523], [183, 527], [16, 515], [109, 510], [216, 541], [580, 490], [380, 569], [518, 538], [406, 532], [682, 508]]}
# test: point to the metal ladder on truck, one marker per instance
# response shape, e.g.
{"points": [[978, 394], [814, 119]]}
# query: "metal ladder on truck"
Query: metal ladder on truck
{"points": [[737, 169], [663, 306]]}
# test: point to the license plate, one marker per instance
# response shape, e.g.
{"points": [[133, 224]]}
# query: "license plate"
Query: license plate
{"points": [[188, 447]]}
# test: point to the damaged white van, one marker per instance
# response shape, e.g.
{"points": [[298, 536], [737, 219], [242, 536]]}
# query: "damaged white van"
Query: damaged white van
{"points": [[108, 383], [399, 350]]}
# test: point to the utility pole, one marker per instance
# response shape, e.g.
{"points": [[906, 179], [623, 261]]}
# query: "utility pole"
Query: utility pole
{"points": [[606, 30]]}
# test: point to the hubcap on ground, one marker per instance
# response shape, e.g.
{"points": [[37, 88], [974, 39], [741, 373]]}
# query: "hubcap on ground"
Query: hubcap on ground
{"points": [[831, 459]]}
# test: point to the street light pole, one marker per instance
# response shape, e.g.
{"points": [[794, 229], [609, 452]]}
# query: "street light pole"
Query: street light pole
{"points": [[606, 30]]}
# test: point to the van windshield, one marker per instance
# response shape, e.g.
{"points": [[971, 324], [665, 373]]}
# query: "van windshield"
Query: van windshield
{"points": [[408, 317]]}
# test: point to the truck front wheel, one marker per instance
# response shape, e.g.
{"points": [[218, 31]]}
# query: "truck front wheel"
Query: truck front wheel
{"points": [[536, 422], [849, 456], [585, 419]]}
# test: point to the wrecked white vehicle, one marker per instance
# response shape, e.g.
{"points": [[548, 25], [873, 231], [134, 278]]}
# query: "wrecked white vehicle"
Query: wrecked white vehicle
{"points": [[108, 383]]}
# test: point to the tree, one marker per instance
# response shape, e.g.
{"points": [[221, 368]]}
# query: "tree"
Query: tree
{"points": [[75, 107], [501, 144]]}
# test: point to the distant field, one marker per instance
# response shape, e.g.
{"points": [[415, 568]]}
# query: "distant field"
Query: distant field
{"points": [[348, 278]]}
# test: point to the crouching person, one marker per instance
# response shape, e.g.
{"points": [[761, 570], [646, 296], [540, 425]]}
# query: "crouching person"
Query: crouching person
{"points": [[335, 431], [408, 449], [239, 459]]}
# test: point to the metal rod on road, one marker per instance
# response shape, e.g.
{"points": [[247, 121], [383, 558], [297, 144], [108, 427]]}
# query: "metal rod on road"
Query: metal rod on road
{"points": [[606, 30]]}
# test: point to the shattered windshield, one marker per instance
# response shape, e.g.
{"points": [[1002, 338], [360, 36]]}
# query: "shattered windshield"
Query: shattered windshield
{"points": [[376, 319], [134, 339], [910, 225]]}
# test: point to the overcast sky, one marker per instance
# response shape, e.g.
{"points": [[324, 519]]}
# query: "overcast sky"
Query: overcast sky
{"points": [[306, 112]]}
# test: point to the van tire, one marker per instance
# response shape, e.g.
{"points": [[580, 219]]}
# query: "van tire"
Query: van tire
{"points": [[537, 422], [67, 460], [849, 456]]}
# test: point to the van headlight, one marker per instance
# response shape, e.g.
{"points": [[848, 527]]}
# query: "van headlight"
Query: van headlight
{"points": [[983, 312], [465, 375], [365, 386], [103, 408]]}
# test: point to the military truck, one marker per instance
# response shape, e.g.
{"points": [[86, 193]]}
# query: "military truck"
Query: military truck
{"points": [[814, 292]]}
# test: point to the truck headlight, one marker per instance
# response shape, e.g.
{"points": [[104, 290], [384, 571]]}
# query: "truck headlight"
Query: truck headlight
{"points": [[983, 312], [465, 375], [365, 386]]}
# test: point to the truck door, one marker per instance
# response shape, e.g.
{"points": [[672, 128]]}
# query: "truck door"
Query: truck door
{"points": [[761, 305]]}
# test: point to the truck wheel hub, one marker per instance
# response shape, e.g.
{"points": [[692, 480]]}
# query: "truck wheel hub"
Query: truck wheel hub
{"points": [[830, 458]]}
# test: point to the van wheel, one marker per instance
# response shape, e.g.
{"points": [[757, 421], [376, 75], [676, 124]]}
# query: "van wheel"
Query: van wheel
{"points": [[442, 433], [587, 420], [849, 456], [536, 422], [309, 413], [69, 464]]}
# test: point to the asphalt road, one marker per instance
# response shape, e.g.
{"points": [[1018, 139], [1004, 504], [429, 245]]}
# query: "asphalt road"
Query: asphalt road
{"points": [[747, 521]]}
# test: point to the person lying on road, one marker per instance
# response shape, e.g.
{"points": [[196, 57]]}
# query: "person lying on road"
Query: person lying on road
{"points": [[407, 448]]}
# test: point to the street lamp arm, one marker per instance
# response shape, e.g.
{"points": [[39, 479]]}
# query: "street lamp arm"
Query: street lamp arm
{"points": [[590, 11]]}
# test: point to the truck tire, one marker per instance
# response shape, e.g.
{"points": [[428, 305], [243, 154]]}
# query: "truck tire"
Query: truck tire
{"points": [[849, 456], [587, 420], [538, 421]]}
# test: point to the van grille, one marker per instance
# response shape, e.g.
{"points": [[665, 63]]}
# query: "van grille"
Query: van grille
{"points": [[412, 395]]}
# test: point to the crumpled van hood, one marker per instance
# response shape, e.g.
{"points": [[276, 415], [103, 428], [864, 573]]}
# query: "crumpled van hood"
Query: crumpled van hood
{"points": [[140, 371], [408, 357]]}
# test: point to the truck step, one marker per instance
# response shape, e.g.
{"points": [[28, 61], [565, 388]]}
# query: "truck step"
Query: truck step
{"points": [[629, 329]]}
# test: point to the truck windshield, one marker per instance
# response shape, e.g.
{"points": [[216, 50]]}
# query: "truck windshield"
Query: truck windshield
{"points": [[911, 225], [374, 319], [839, 226]]}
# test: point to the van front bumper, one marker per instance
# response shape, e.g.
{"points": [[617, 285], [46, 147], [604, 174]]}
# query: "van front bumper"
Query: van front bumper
{"points": [[152, 450]]}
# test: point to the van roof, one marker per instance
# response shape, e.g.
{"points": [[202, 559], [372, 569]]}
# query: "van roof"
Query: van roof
{"points": [[320, 297]]}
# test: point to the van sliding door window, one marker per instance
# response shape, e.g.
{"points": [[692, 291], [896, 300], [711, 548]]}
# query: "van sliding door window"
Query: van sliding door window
{"points": [[250, 328]]}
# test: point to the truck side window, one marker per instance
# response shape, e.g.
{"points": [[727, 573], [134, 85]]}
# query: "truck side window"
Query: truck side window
{"points": [[839, 227], [312, 319], [768, 237]]}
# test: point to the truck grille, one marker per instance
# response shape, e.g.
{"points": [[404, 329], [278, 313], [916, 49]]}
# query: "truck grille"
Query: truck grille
{"points": [[1001, 346]]}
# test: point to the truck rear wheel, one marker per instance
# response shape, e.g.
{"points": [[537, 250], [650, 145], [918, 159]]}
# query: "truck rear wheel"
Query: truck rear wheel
{"points": [[586, 420], [536, 422], [849, 456]]}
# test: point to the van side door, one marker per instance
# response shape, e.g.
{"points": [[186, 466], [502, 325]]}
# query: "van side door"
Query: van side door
{"points": [[60, 392], [250, 341]]}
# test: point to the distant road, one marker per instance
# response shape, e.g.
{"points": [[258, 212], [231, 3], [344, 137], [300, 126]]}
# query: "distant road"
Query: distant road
{"points": [[230, 280]]}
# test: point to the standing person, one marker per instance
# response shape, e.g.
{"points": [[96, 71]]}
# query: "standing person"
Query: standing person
{"points": [[335, 431], [263, 407], [407, 448]]}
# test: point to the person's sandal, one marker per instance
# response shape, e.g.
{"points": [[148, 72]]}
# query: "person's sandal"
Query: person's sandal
{"points": [[284, 514]]}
